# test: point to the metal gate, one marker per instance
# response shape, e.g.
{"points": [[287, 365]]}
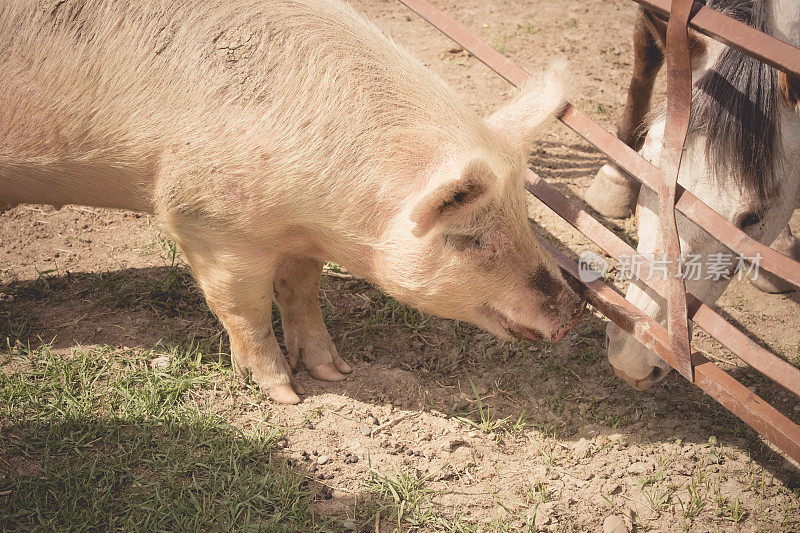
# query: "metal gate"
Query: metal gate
{"points": [[671, 343]]}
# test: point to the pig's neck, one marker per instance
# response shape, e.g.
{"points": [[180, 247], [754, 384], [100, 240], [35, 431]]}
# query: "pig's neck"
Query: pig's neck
{"points": [[375, 215]]}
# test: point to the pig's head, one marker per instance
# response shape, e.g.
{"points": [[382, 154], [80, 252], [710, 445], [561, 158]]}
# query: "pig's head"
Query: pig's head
{"points": [[464, 248]]}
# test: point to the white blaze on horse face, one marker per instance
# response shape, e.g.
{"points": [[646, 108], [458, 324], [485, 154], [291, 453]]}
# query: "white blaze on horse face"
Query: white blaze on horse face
{"points": [[631, 360]]}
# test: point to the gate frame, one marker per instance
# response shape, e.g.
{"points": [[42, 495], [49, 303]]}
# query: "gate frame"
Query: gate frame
{"points": [[670, 343]]}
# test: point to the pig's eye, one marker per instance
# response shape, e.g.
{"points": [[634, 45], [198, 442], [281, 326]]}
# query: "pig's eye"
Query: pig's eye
{"points": [[463, 242]]}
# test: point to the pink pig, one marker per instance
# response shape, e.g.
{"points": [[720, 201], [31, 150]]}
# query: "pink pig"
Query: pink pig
{"points": [[268, 137]]}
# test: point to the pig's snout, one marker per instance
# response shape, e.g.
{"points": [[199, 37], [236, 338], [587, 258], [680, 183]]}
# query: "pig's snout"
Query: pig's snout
{"points": [[570, 307]]}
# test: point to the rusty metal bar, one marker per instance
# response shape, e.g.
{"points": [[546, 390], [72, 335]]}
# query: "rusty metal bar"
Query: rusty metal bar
{"points": [[679, 103], [706, 318], [735, 34], [623, 155], [734, 396], [451, 29]]}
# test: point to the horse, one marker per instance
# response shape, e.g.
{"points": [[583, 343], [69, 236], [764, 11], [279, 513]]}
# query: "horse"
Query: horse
{"points": [[742, 158]]}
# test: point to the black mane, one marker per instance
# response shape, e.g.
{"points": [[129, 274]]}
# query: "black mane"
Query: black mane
{"points": [[736, 104]]}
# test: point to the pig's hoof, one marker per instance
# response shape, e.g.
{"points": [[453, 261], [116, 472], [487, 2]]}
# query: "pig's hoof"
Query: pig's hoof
{"points": [[341, 366], [612, 194], [283, 394], [326, 372]]}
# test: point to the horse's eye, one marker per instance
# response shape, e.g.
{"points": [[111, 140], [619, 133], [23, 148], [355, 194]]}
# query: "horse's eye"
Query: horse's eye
{"points": [[749, 219]]}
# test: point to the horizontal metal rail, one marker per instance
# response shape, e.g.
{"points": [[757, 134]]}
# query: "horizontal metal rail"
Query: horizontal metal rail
{"points": [[735, 34], [623, 155], [730, 393]]}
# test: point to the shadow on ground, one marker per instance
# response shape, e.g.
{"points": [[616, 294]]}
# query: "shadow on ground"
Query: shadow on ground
{"points": [[401, 357], [167, 474]]}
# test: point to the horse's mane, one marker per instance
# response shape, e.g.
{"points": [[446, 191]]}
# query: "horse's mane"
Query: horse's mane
{"points": [[736, 104]]}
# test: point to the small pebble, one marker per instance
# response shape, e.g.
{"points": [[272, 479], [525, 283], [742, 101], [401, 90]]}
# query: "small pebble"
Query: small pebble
{"points": [[349, 525], [160, 362], [366, 431], [614, 524], [322, 459]]}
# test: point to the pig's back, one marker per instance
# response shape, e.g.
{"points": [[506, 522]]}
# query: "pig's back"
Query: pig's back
{"points": [[308, 87]]}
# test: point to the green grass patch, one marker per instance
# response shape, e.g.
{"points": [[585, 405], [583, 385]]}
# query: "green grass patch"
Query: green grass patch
{"points": [[97, 440]]}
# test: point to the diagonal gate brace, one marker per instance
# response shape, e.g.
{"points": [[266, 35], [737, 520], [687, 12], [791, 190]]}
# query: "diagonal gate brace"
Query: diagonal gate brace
{"points": [[679, 101]]}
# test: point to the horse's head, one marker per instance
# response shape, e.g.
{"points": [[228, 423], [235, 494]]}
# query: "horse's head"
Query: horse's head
{"points": [[742, 158]]}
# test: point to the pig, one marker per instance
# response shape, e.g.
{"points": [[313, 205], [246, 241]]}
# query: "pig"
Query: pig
{"points": [[267, 137]]}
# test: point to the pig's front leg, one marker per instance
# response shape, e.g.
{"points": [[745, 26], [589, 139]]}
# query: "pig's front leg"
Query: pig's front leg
{"points": [[297, 281], [238, 289]]}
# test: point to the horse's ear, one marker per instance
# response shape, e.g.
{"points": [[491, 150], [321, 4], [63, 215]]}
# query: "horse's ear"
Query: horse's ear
{"points": [[790, 90]]}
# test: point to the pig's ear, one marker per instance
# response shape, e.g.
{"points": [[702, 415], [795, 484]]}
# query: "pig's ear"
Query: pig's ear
{"points": [[540, 99], [456, 199]]}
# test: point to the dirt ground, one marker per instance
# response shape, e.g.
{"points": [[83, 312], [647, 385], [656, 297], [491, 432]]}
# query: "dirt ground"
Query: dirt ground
{"points": [[529, 433]]}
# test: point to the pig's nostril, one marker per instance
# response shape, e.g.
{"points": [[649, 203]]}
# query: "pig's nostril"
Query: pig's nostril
{"points": [[576, 286]]}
